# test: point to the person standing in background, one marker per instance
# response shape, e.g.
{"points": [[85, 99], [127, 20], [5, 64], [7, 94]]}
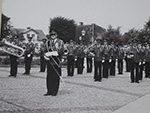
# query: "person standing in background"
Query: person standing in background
{"points": [[29, 52], [120, 59], [14, 59], [42, 59], [113, 57], [89, 61], [106, 58], [71, 50], [80, 58], [97, 49]]}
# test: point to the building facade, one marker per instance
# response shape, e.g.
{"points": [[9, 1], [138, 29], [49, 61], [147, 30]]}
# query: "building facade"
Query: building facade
{"points": [[88, 33]]}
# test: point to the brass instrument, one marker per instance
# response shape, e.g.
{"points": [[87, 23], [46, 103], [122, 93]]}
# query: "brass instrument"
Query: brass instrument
{"points": [[50, 54], [11, 49], [87, 49]]}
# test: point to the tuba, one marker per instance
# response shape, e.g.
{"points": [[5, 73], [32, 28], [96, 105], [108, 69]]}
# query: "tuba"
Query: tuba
{"points": [[11, 49]]}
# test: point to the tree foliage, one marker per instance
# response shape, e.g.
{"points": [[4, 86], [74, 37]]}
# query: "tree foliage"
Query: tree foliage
{"points": [[65, 28], [5, 27], [113, 35]]}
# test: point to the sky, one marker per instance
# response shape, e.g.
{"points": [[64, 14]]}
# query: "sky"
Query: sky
{"points": [[36, 14]]}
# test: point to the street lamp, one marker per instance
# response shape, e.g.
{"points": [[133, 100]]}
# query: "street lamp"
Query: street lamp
{"points": [[83, 35], [83, 32]]}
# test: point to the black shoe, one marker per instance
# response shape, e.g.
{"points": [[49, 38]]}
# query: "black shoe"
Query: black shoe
{"points": [[53, 94], [11, 76], [137, 82], [132, 81], [47, 94], [26, 73]]}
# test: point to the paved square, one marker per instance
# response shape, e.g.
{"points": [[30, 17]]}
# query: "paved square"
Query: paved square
{"points": [[79, 94]]}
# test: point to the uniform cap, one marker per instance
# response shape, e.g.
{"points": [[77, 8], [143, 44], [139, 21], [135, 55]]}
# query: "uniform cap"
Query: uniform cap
{"points": [[44, 39], [99, 38], [53, 32]]}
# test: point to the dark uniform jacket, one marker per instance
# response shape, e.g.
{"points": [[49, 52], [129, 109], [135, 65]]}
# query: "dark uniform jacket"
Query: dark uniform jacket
{"points": [[137, 54], [120, 53], [147, 55], [55, 45], [29, 48], [106, 52], [71, 50], [98, 52], [80, 51], [113, 53], [42, 49]]}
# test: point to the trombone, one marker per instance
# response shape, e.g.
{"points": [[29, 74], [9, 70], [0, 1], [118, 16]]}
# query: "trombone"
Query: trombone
{"points": [[49, 55]]}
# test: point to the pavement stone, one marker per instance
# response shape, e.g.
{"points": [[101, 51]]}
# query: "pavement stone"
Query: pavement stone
{"points": [[79, 94]]}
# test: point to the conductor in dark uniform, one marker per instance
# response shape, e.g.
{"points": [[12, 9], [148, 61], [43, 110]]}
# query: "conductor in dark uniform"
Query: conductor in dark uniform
{"points": [[53, 55], [29, 52]]}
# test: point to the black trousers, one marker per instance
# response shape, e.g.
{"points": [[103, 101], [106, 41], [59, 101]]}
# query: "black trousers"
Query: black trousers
{"points": [[89, 65], [97, 70], [127, 60], [13, 65], [120, 66], [112, 67], [70, 65], [28, 61], [52, 79], [147, 69], [105, 68], [141, 71], [135, 66], [42, 64], [80, 62]]}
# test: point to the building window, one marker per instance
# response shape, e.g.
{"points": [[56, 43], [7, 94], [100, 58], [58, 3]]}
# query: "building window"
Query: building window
{"points": [[33, 35], [28, 35]]}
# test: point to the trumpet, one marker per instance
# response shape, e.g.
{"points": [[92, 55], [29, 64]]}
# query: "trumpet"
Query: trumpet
{"points": [[89, 47], [11, 49]]}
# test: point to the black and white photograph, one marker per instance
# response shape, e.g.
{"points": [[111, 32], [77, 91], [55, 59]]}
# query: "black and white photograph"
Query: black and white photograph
{"points": [[75, 56]]}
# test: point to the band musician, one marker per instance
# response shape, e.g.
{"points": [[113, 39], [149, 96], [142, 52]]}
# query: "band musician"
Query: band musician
{"points": [[80, 58], [14, 59], [42, 59], [89, 60], [29, 52], [147, 60], [97, 49], [106, 58], [71, 50], [113, 55], [135, 56], [120, 59], [55, 49]]}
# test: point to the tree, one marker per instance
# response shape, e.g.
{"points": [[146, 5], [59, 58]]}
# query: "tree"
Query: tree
{"points": [[5, 27], [113, 34], [146, 30], [65, 28], [130, 35]]}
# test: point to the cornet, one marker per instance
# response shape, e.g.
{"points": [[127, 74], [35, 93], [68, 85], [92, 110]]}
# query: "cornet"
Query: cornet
{"points": [[11, 49]]}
